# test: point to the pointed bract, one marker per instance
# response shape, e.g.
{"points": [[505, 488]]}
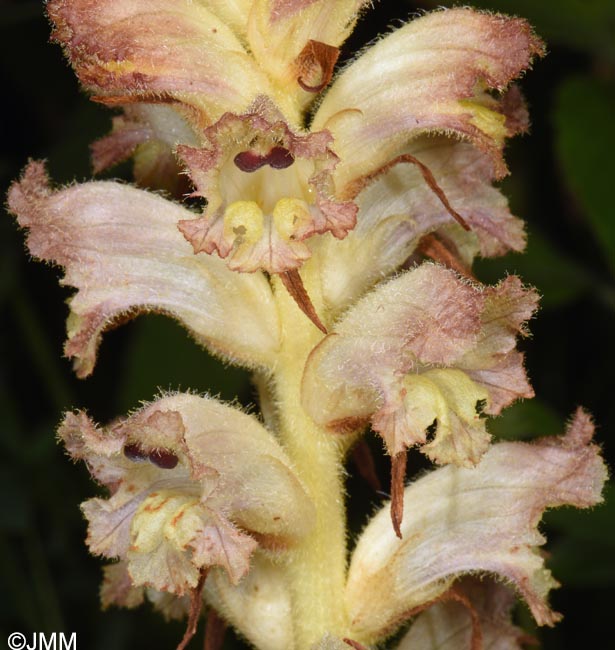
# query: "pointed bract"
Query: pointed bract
{"points": [[398, 209]]}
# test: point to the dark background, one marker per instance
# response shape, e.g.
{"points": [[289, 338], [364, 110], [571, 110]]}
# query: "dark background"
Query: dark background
{"points": [[563, 177]]}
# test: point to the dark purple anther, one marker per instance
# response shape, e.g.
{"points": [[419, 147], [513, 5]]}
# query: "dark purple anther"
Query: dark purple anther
{"points": [[248, 161], [135, 452], [277, 158], [163, 458], [280, 158]]}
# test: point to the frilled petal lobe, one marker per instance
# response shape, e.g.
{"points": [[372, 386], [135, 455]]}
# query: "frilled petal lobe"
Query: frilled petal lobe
{"points": [[296, 41], [187, 476], [480, 612], [481, 520], [169, 50], [377, 364], [259, 606], [268, 189], [430, 75], [398, 209], [120, 247]]}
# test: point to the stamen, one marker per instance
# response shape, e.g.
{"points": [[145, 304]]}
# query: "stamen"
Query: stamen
{"points": [[163, 458], [277, 158], [135, 452]]}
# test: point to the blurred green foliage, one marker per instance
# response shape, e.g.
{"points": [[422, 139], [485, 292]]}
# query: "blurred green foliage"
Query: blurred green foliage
{"points": [[563, 175]]}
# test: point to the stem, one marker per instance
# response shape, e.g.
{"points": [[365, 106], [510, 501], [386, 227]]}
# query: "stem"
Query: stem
{"points": [[317, 565]]}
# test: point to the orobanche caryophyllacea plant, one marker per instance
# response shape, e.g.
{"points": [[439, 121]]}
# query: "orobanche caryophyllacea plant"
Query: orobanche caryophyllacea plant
{"points": [[333, 258]]}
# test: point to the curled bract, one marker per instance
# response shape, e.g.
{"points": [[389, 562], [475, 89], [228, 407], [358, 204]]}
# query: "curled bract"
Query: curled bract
{"points": [[193, 484], [469, 521]]}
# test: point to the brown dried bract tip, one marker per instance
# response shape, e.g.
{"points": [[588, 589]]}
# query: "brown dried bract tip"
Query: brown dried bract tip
{"points": [[316, 62], [294, 285], [398, 477], [364, 461], [215, 629], [443, 250], [196, 603], [477, 634], [354, 187], [353, 644]]}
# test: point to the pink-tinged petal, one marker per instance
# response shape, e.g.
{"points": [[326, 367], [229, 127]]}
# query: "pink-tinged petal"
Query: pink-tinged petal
{"points": [[157, 50], [259, 607], [468, 521], [429, 76], [426, 316], [398, 209], [377, 364], [117, 588], [479, 617], [120, 247], [296, 41], [150, 132], [268, 190], [494, 363]]}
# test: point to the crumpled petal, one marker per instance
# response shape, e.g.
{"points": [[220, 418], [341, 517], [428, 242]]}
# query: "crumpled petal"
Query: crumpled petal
{"points": [[430, 75], [480, 520], [268, 189], [120, 247], [296, 41], [398, 209], [259, 607], [449, 625], [117, 587], [157, 50], [117, 590], [187, 476], [378, 362]]}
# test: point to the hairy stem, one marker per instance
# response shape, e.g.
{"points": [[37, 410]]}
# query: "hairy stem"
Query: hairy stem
{"points": [[317, 566]]}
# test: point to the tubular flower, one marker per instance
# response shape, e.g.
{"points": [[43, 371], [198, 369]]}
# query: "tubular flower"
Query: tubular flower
{"points": [[464, 521], [332, 217], [193, 484]]}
